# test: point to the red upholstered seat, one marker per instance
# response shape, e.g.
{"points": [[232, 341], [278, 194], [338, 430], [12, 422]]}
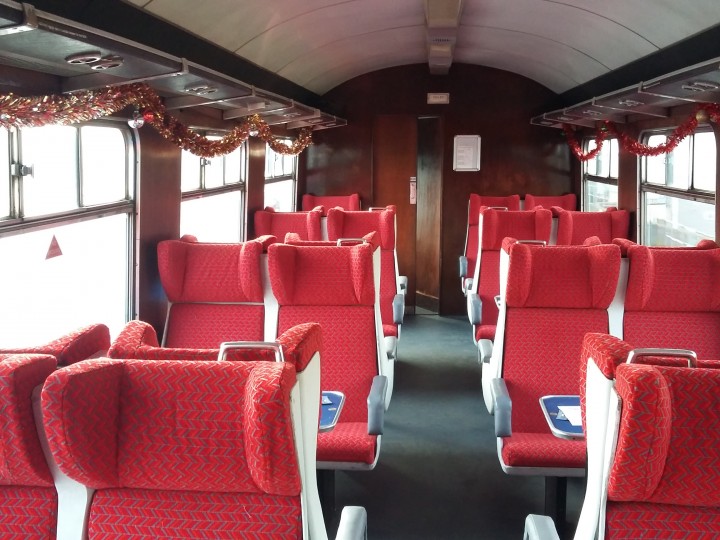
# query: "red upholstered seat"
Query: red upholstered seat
{"points": [[27, 491], [178, 449], [278, 224], [77, 345], [346, 202], [567, 201], [574, 227], [348, 224], [469, 256], [673, 299], [215, 292], [334, 286], [554, 296]]}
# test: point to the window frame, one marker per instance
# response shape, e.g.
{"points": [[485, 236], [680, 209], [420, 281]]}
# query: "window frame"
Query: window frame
{"points": [[274, 179], [691, 193], [586, 176]]}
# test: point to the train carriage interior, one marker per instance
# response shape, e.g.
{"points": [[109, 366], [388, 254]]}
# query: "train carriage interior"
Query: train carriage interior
{"points": [[231, 234]]}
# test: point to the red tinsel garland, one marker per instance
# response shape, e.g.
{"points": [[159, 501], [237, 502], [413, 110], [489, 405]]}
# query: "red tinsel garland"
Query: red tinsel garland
{"points": [[710, 111], [16, 111]]}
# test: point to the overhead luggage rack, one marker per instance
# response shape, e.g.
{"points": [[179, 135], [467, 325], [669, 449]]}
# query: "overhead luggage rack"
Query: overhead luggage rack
{"points": [[84, 58]]}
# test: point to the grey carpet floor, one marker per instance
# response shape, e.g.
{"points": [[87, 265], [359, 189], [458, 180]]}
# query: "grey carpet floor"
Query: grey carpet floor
{"points": [[438, 475]]}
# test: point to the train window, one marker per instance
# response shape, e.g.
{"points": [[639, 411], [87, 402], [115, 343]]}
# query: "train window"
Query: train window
{"points": [[67, 238], [214, 187], [280, 180], [677, 191], [4, 173], [600, 176]]}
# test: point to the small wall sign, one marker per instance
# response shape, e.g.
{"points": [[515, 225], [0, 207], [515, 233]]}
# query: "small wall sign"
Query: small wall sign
{"points": [[466, 154]]}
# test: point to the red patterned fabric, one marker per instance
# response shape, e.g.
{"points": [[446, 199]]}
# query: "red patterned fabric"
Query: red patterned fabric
{"points": [[323, 285], [485, 331], [542, 352], [138, 340], [566, 202], [28, 513], [208, 325], [348, 360], [73, 347], [317, 275], [204, 272], [562, 276], [149, 421], [522, 224], [346, 202], [667, 444], [575, 227], [673, 279], [631, 521], [278, 224], [542, 450], [489, 287], [348, 442], [22, 462]]}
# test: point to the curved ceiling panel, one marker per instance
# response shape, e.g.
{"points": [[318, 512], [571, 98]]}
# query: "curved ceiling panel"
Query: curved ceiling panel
{"points": [[322, 43]]}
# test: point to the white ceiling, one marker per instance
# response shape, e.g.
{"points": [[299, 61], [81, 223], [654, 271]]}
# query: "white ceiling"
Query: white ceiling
{"points": [[319, 44]]}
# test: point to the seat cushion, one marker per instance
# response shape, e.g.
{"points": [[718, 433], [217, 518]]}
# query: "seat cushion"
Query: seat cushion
{"points": [[28, 512], [542, 450], [133, 513], [347, 442]]}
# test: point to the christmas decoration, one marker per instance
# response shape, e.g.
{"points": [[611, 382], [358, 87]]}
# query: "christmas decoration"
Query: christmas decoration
{"points": [[17, 111], [703, 113]]}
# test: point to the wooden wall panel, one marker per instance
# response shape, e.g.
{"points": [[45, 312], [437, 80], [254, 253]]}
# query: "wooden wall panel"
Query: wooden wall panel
{"points": [[394, 162], [429, 213], [497, 105]]}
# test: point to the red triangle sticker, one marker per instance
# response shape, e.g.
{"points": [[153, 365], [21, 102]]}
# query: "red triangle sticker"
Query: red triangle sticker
{"points": [[54, 249]]}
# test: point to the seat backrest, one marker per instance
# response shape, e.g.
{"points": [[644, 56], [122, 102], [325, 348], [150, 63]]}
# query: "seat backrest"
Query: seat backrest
{"points": [[347, 224], [346, 202], [673, 299], [211, 442], [215, 292], [574, 227], [567, 201], [554, 296], [662, 477], [476, 202], [332, 286], [77, 345], [278, 224], [29, 508], [493, 227]]}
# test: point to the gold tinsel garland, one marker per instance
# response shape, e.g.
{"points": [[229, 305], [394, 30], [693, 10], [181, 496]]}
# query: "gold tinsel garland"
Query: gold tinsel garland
{"points": [[17, 111]]}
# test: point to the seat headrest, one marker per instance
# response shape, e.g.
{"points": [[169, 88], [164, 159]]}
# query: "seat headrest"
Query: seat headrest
{"points": [[521, 224], [73, 346], [322, 275], [230, 420], [348, 224], [306, 224], [562, 276], [511, 202], [667, 439], [199, 272], [567, 201], [575, 227], [346, 202], [372, 238], [673, 279]]}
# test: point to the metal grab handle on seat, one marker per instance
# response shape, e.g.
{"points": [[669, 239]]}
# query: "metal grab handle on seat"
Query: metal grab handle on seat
{"points": [[501, 208], [257, 345], [675, 353], [534, 242], [342, 241]]}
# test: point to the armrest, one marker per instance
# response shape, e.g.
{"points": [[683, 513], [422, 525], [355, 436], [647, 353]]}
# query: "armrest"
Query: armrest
{"points": [[403, 281], [498, 301], [390, 343], [485, 347], [463, 266], [398, 308], [503, 408], [474, 305], [540, 528], [376, 405], [353, 524]]}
